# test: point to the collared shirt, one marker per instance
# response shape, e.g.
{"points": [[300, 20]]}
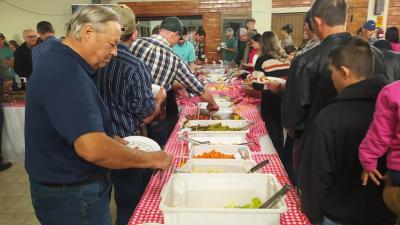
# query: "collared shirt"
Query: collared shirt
{"points": [[125, 86], [42, 49], [164, 65], [62, 104], [185, 51]]}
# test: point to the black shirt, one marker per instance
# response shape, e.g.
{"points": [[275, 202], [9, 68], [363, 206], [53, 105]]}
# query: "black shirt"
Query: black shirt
{"points": [[23, 61]]}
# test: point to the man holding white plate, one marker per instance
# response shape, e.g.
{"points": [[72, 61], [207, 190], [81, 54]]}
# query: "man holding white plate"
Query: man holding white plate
{"points": [[125, 86], [68, 135]]}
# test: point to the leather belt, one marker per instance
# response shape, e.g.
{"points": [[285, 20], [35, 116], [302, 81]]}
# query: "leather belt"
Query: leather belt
{"points": [[90, 180]]}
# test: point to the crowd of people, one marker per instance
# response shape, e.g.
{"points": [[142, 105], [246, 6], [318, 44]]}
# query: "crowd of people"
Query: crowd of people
{"points": [[338, 106]]}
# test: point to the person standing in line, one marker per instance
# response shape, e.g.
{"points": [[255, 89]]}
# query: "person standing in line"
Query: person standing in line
{"points": [[167, 68], [70, 147], [46, 35], [198, 43], [231, 48], [287, 31], [392, 35], [23, 54], [185, 49], [125, 87], [250, 25]]}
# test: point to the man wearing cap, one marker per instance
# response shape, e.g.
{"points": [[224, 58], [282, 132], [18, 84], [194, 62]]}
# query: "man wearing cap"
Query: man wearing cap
{"points": [[167, 68], [46, 34], [368, 31], [125, 86], [69, 140]]}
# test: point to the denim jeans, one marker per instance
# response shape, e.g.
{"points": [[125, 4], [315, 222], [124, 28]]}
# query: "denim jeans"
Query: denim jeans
{"points": [[79, 205], [327, 221]]}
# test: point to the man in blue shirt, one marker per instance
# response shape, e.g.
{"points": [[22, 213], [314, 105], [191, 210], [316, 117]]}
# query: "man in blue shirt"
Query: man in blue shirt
{"points": [[68, 135], [46, 35], [125, 86]]}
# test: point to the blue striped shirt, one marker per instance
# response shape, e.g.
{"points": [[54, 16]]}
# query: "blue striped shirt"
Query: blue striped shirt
{"points": [[42, 49], [125, 86], [165, 66]]}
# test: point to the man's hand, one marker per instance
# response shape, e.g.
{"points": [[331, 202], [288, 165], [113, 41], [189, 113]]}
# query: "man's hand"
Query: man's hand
{"points": [[161, 95], [120, 140], [162, 160], [273, 86], [211, 107], [374, 175], [7, 85]]}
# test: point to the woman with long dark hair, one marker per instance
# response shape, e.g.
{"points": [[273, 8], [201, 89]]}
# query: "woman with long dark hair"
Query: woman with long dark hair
{"points": [[392, 36]]}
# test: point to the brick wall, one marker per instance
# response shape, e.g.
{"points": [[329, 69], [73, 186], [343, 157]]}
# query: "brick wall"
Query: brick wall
{"points": [[210, 10], [357, 14], [394, 13], [290, 3]]}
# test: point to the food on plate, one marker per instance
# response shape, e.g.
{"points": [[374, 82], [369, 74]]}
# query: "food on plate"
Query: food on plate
{"points": [[214, 155], [254, 204], [214, 127], [264, 79], [235, 116]]}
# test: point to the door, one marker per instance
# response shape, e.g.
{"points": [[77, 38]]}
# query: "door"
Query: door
{"points": [[296, 19]]}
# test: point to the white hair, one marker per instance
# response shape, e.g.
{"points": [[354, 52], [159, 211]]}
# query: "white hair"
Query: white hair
{"points": [[242, 31], [91, 14]]}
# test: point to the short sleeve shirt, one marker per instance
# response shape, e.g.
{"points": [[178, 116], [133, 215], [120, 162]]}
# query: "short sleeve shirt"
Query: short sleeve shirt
{"points": [[186, 52], [6, 53], [62, 104], [231, 43]]}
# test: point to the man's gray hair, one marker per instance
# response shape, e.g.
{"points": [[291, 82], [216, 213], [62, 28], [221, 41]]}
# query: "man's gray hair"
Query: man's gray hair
{"points": [[229, 29], [242, 31], [92, 14]]}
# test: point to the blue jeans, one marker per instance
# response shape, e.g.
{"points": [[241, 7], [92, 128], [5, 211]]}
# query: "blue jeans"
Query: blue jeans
{"points": [[327, 221], [80, 205], [128, 189]]}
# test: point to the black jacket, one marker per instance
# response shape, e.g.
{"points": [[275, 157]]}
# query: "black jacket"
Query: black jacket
{"points": [[23, 61], [309, 87], [329, 174], [392, 61]]}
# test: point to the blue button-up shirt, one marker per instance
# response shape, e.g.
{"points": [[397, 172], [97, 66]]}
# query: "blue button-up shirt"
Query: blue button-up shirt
{"points": [[42, 49], [125, 86], [62, 104]]}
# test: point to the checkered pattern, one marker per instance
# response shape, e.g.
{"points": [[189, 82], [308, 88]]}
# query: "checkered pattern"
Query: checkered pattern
{"points": [[147, 211]]}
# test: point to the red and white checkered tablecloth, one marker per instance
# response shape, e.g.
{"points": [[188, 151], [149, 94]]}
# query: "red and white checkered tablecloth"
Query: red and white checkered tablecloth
{"points": [[147, 211]]}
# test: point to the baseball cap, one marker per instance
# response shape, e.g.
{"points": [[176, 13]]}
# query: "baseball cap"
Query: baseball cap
{"points": [[2, 36], [127, 18], [370, 25], [173, 24]]}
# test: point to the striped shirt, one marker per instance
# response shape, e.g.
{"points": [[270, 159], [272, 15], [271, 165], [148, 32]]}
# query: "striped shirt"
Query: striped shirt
{"points": [[165, 66], [125, 86], [272, 67], [42, 49]]}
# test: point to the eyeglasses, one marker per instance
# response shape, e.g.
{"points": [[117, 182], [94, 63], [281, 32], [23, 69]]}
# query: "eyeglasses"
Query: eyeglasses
{"points": [[32, 36]]}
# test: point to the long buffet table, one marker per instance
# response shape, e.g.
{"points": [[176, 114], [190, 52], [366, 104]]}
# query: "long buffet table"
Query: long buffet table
{"points": [[147, 211]]}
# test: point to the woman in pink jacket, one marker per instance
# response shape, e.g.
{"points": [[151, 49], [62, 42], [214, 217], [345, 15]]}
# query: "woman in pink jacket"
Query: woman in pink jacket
{"points": [[384, 136]]}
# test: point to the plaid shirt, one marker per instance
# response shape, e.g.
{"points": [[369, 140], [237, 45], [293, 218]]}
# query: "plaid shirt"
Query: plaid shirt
{"points": [[125, 86], [165, 66]]}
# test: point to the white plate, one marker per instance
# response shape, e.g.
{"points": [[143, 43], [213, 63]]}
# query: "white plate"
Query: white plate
{"points": [[155, 89], [280, 80], [143, 143]]}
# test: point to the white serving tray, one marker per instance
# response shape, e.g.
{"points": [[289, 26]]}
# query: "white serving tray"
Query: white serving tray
{"points": [[199, 199], [217, 166], [230, 123], [226, 149]]}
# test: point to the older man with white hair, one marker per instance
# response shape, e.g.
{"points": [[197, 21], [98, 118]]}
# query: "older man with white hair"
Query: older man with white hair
{"points": [[68, 135], [230, 49]]}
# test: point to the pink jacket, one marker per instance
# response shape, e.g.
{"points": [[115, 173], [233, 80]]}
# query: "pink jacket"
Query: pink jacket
{"points": [[384, 132], [396, 47]]}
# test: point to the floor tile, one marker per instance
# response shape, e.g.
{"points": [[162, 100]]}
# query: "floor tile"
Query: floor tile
{"points": [[13, 218]]}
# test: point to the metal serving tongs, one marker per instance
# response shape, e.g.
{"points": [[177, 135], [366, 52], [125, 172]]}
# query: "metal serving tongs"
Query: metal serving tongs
{"points": [[258, 166], [195, 141], [247, 126], [271, 202]]}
